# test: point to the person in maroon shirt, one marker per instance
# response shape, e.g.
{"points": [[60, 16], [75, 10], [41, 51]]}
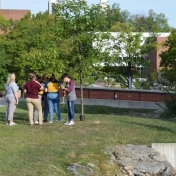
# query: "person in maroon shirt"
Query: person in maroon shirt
{"points": [[31, 90]]}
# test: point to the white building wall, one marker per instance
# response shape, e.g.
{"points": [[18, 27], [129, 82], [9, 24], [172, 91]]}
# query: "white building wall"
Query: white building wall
{"points": [[51, 3]]}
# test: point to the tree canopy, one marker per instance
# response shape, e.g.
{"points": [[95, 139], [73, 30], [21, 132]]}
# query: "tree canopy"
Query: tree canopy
{"points": [[168, 58], [129, 53], [63, 42], [33, 46]]}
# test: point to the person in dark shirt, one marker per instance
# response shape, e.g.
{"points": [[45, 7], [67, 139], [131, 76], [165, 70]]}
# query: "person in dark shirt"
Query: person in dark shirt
{"points": [[71, 97], [31, 90]]}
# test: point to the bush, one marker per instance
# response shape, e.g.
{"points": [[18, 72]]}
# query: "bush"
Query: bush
{"points": [[170, 105]]}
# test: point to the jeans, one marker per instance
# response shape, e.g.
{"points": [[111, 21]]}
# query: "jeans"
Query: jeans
{"points": [[53, 103], [45, 107], [70, 108], [45, 110]]}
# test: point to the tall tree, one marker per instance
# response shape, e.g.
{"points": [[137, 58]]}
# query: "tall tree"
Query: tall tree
{"points": [[115, 15], [128, 51], [34, 46], [4, 62], [152, 22], [168, 58], [80, 24]]}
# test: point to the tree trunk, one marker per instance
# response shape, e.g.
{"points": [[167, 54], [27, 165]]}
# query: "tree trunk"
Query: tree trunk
{"points": [[129, 76], [82, 116]]}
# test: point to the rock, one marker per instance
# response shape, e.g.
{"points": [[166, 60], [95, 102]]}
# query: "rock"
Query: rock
{"points": [[92, 165], [141, 160], [80, 170], [129, 168]]}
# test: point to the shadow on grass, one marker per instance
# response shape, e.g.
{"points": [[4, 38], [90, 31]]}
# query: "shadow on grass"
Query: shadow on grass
{"points": [[20, 115], [158, 128], [19, 118], [21, 112]]}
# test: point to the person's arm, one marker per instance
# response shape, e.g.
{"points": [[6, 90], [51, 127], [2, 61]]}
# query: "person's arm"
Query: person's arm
{"points": [[16, 97], [71, 85], [15, 89], [25, 90], [45, 87], [41, 87]]}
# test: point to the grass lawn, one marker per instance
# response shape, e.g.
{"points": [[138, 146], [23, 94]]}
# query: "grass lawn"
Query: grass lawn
{"points": [[49, 149]]}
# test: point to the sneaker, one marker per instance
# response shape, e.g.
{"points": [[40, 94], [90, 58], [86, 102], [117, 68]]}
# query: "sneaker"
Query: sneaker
{"points": [[12, 124], [66, 123], [36, 122], [71, 123], [7, 123], [50, 122], [58, 120], [45, 120]]}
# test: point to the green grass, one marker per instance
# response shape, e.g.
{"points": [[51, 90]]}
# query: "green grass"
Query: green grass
{"points": [[49, 149]]}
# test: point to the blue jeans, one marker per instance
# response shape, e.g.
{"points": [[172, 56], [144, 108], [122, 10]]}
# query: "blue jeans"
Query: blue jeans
{"points": [[53, 100], [45, 108], [70, 108]]}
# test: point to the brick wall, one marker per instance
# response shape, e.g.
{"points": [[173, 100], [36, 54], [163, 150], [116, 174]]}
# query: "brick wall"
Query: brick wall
{"points": [[13, 14], [123, 94]]}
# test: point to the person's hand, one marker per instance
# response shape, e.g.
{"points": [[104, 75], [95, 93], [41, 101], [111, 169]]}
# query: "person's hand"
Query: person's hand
{"points": [[16, 102]]}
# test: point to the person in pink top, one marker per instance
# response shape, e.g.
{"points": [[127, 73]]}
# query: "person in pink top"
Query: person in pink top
{"points": [[31, 90]]}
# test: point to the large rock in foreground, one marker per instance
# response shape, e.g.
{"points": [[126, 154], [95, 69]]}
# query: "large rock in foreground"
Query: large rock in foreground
{"points": [[139, 161]]}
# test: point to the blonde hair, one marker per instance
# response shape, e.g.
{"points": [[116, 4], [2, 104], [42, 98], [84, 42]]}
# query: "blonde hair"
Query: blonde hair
{"points": [[10, 78]]}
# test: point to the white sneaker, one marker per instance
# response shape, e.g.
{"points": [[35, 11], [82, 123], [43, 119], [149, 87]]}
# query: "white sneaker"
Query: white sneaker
{"points": [[50, 122], [12, 124], [71, 123], [58, 120], [36, 122], [7, 123]]}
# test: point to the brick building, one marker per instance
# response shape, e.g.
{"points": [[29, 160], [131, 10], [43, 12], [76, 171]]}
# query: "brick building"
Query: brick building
{"points": [[154, 56], [13, 14]]}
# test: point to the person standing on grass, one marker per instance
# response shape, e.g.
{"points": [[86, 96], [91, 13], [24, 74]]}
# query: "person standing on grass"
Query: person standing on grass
{"points": [[11, 89], [71, 97], [31, 90], [45, 108], [42, 98], [53, 99]]}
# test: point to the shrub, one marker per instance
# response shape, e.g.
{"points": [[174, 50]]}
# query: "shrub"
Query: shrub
{"points": [[170, 105]]}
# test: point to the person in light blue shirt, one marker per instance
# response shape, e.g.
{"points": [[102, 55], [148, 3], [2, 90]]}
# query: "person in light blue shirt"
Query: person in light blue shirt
{"points": [[11, 89]]}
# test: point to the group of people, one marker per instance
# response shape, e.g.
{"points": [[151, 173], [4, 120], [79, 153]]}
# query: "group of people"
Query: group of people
{"points": [[42, 98]]}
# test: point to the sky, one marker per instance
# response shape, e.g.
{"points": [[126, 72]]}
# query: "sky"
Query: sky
{"points": [[166, 7]]}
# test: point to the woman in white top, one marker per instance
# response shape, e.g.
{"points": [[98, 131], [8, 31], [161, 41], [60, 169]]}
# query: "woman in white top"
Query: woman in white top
{"points": [[11, 98]]}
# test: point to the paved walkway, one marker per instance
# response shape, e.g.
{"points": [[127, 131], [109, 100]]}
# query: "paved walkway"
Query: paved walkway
{"points": [[112, 103], [2, 102]]}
